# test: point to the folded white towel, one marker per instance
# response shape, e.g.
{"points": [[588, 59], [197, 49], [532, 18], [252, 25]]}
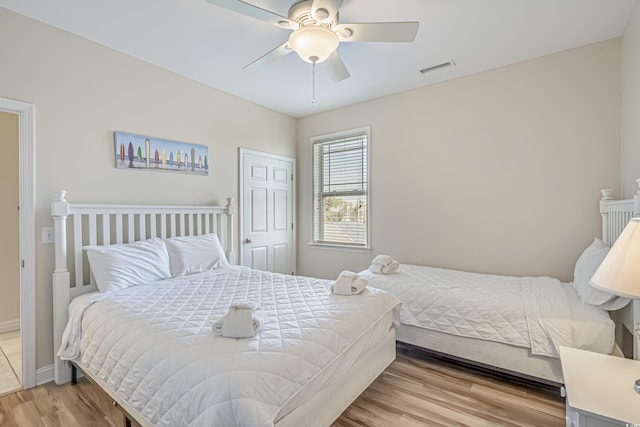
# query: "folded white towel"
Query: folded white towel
{"points": [[382, 260], [393, 267], [348, 286], [377, 268], [348, 274], [358, 285], [385, 269], [241, 321], [342, 286]]}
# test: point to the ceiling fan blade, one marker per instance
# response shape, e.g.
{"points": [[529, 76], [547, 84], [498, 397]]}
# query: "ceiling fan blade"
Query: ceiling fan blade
{"points": [[377, 32], [256, 12], [268, 58], [337, 70], [325, 10]]}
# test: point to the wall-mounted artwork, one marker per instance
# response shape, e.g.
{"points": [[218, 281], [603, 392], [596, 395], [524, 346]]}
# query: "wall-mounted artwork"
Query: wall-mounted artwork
{"points": [[145, 152]]}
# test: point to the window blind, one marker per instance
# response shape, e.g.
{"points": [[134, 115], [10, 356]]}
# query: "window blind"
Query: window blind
{"points": [[341, 191]]}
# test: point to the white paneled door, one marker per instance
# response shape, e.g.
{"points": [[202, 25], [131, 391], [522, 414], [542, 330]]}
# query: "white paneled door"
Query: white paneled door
{"points": [[266, 218]]}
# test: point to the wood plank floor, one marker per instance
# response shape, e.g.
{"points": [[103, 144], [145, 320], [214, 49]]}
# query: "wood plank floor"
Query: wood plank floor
{"points": [[416, 390], [420, 390]]}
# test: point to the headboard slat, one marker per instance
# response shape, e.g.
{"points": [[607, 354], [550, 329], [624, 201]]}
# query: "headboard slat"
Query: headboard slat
{"points": [[130, 228], [119, 234], [142, 224], [77, 243], [153, 231], [172, 224], [163, 226], [106, 230], [190, 219], [93, 232]]}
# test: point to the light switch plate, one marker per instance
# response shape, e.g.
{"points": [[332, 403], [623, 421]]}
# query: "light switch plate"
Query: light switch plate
{"points": [[48, 235]]}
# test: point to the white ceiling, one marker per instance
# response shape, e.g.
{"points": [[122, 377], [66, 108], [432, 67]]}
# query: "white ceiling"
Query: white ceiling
{"points": [[212, 45]]}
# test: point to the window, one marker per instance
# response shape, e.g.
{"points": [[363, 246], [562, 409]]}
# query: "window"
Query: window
{"points": [[341, 189]]}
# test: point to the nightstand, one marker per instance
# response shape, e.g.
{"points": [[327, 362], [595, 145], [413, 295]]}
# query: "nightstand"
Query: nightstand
{"points": [[599, 389]]}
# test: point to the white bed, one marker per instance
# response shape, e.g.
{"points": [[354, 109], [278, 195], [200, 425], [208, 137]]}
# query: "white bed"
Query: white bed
{"points": [[514, 324], [151, 347]]}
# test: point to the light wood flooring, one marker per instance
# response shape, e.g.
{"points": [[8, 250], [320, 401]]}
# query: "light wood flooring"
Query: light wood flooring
{"points": [[10, 361], [416, 390], [420, 390]]}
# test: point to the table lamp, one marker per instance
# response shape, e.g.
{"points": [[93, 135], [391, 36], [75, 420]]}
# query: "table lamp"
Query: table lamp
{"points": [[619, 272]]}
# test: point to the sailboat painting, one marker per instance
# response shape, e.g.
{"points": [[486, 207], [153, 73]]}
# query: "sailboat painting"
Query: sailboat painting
{"points": [[144, 152]]}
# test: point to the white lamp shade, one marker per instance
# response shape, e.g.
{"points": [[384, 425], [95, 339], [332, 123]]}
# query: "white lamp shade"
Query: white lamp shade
{"points": [[619, 273], [313, 43]]}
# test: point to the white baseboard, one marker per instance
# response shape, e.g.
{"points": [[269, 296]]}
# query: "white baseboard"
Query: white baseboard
{"points": [[44, 375], [9, 325]]}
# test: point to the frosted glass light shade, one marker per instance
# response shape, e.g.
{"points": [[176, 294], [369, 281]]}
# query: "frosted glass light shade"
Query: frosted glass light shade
{"points": [[619, 273], [313, 43]]}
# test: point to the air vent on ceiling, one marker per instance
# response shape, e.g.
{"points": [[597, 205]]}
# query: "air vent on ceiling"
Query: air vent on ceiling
{"points": [[449, 63]]}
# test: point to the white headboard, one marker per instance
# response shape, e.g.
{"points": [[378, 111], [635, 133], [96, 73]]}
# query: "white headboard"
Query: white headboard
{"points": [[91, 224], [615, 216]]}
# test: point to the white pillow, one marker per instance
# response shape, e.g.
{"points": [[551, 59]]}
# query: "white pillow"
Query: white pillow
{"points": [[585, 267], [195, 254], [120, 266]]}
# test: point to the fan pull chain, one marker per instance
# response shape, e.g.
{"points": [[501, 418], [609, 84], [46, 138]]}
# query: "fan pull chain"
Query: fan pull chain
{"points": [[313, 81], [313, 86]]}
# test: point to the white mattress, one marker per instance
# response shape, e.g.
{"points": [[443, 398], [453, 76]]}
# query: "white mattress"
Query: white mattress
{"points": [[153, 346], [538, 313]]}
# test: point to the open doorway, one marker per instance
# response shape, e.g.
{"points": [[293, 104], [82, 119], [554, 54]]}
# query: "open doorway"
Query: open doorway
{"points": [[27, 239], [10, 341]]}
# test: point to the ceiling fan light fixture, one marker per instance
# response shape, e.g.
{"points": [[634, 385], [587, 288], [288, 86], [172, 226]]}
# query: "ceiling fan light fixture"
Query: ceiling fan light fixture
{"points": [[313, 43]]}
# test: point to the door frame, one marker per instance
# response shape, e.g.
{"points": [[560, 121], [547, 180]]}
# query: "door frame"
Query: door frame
{"points": [[27, 215], [242, 152]]}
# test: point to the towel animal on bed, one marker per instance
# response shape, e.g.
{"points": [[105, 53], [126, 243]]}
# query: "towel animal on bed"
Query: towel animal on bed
{"points": [[349, 283], [243, 320], [384, 264]]}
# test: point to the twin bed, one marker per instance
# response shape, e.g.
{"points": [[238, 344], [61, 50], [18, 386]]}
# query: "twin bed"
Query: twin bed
{"points": [[151, 348], [515, 325]]}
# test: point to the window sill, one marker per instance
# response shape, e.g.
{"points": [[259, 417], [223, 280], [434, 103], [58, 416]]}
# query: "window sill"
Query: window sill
{"points": [[346, 248]]}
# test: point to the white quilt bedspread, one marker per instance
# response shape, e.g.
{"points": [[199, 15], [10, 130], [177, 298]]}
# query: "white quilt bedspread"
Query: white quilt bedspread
{"points": [[153, 344], [530, 312]]}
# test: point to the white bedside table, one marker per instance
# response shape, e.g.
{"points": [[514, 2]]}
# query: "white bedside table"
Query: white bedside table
{"points": [[600, 389]]}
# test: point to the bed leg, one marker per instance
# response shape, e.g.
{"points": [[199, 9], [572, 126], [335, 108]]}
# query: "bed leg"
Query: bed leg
{"points": [[74, 374]]}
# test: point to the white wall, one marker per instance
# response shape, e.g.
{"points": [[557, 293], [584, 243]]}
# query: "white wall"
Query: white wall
{"points": [[631, 105], [83, 92], [496, 172]]}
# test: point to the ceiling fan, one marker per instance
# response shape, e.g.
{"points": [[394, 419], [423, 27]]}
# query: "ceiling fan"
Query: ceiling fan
{"points": [[317, 32]]}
